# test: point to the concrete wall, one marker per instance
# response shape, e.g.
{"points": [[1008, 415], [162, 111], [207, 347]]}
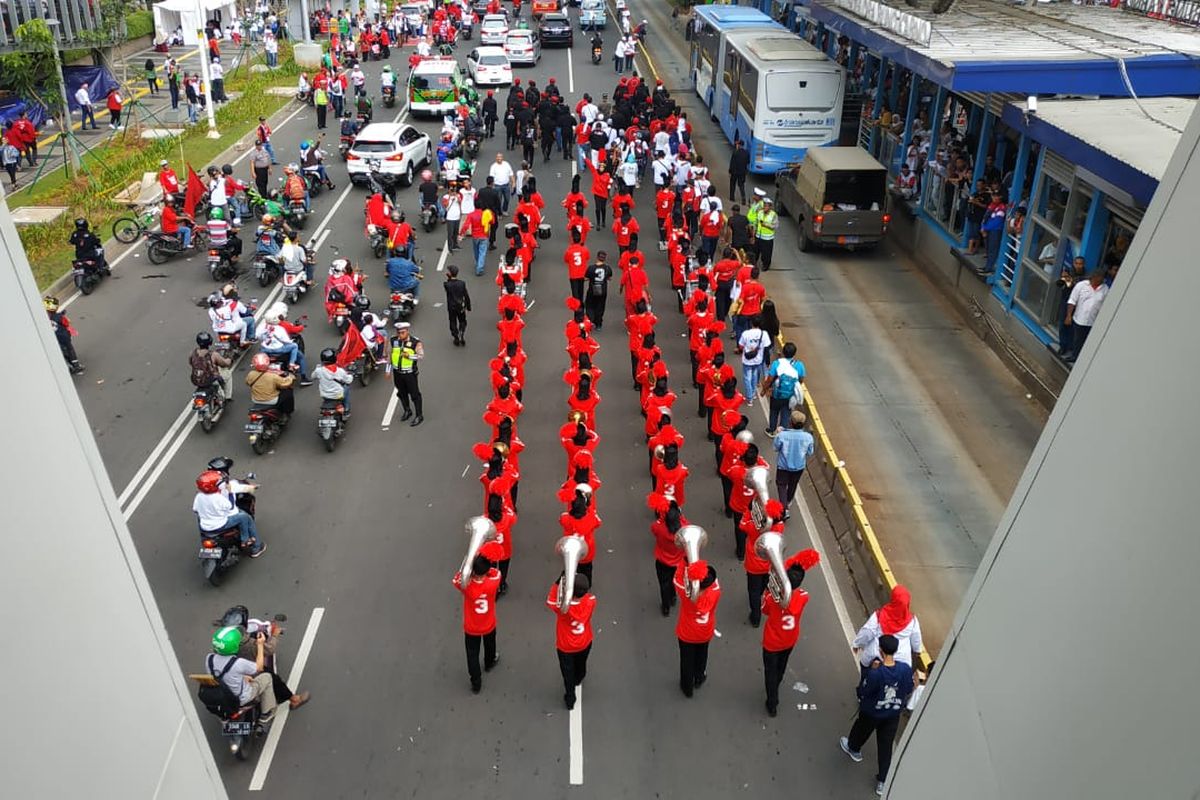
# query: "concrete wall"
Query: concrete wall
{"points": [[95, 703], [1066, 672]]}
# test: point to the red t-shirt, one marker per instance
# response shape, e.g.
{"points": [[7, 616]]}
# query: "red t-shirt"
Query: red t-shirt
{"points": [[752, 563], [635, 282], [585, 527], [782, 628], [572, 630], [670, 482], [698, 619], [508, 518], [625, 230], [725, 269], [577, 258], [752, 298], [664, 201], [479, 602], [665, 550], [566, 435]]}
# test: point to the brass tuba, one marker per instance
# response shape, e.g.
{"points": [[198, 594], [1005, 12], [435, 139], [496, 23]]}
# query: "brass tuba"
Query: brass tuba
{"points": [[573, 549], [480, 530], [690, 539], [756, 480], [769, 546]]}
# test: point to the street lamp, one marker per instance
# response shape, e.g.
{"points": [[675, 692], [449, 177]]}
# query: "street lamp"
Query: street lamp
{"points": [[206, 75]]}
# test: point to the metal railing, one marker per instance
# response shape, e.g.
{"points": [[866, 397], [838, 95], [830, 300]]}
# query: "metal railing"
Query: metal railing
{"points": [[1007, 268], [68, 19], [887, 152], [865, 124], [942, 201]]}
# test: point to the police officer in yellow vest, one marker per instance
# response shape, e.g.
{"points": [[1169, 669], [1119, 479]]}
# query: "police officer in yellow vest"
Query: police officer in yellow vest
{"points": [[407, 352], [765, 223], [752, 217]]}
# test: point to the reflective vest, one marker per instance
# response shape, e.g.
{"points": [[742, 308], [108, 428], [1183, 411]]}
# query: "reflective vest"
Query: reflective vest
{"points": [[402, 360], [764, 227], [755, 209]]}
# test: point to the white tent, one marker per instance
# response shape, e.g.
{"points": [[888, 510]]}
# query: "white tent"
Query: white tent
{"points": [[191, 15]]}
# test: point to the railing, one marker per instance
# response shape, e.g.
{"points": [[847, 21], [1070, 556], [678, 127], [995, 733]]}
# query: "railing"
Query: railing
{"points": [[942, 201], [68, 19], [1008, 261], [887, 152], [865, 124]]}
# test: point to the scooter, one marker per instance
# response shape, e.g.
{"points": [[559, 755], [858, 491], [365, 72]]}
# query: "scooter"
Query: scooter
{"points": [[221, 550], [298, 213], [161, 247], [429, 217], [377, 240], [331, 424], [265, 426], [220, 262], [389, 96], [87, 272], [209, 405], [597, 53], [267, 268], [401, 305]]}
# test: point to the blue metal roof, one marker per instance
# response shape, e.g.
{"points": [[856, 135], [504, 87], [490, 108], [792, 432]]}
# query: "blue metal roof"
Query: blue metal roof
{"points": [[721, 14], [983, 46]]}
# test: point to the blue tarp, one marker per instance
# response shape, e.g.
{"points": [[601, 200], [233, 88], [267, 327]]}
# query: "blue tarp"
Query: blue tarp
{"points": [[11, 108], [99, 80]]}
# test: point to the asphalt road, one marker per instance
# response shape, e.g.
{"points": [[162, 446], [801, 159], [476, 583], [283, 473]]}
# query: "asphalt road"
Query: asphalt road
{"points": [[372, 533]]}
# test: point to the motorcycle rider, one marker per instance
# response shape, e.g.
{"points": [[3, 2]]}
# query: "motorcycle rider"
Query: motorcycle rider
{"points": [[387, 80], [340, 287], [294, 187], [216, 510], [295, 257], [429, 191], [400, 237], [364, 108], [176, 224], [277, 338], [234, 190], [267, 237], [597, 42], [228, 315], [270, 387], [490, 113], [245, 678], [222, 237], [371, 326], [314, 160], [209, 367], [88, 245], [404, 276], [333, 382], [62, 333]]}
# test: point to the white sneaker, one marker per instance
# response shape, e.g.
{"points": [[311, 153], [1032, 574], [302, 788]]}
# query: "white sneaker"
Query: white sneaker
{"points": [[855, 757], [879, 789]]}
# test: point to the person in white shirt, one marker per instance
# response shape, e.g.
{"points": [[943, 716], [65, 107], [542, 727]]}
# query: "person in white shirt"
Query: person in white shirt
{"points": [[504, 179], [423, 49], [753, 344], [358, 79], [894, 618], [216, 510], [333, 382], [662, 168], [466, 196], [271, 45], [452, 208], [523, 174], [1083, 306], [217, 73], [276, 339], [84, 100], [662, 141], [228, 315], [589, 112]]}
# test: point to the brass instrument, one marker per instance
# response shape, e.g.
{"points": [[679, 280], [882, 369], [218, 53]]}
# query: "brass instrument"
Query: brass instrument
{"points": [[576, 416], [573, 549], [745, 437], [756, 480], [690, 539], [480, 530], [769, 546]]}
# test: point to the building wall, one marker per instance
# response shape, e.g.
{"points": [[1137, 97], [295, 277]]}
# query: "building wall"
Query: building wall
{"points": [[98, 706], [1066, 671]]}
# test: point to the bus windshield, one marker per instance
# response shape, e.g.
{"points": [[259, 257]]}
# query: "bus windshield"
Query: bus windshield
{"points": [[802, 91]]}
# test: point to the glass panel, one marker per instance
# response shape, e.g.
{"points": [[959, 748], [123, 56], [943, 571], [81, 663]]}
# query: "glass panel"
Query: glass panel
{"points": [[1116, 243], [1043, 248], [1051, 201], [1032, 290], [1077, 211]]}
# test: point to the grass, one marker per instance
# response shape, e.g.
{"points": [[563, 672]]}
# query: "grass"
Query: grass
{"points": [[110, 167], [139, 24]]}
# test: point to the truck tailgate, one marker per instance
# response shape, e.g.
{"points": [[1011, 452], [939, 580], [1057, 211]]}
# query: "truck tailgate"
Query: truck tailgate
{"points": [[865, 224]]}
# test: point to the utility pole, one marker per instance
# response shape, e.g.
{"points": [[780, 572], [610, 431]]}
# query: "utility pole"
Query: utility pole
{"points": [[206, 76]]}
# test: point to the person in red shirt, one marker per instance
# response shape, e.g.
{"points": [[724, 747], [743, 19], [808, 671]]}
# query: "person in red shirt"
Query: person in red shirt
{"points": [[577, 220], [723, 273], [479, 612], [581, 519], [782, 630], [573, 634], [635, 283], [670, 476], [584, 398], [626, 229], [577, 257], [601, 188], [668, 519], [575, 196], [167, 179], [750, 300], [577, 325], [697, 621], [739, 498], [664, 204], [504, 518], [758, 568], [731, 448], [575, 435], [664, 434]]}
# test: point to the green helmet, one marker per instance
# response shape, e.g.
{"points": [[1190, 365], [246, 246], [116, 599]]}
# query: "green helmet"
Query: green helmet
{"points": [[217, 213], [227, 641]]}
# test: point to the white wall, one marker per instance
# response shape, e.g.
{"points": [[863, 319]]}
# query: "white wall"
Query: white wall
{"points": [[1068, 671], [94, 701]]}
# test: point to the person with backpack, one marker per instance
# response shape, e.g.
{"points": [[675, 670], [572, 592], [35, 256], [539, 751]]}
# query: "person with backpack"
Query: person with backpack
{"points": [[751, 344], [241, 681], [209, 367], [784, 383]]}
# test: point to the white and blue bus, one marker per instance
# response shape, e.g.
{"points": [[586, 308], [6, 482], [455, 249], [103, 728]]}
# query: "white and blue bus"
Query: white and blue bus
{"points": [[779, 95], [708, 43]]}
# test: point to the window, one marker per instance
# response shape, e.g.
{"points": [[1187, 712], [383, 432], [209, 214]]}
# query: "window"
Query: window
{"points": [[1117, 239], [860, 189], [494, 61], [374, 147], [803, 90], [748, 90], [1043, 247], [732, 67], [435, 82], [409, 135], [1051, 202]]}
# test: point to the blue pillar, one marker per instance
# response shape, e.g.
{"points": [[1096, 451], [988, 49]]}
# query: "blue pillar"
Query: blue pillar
{"points": [[914, 96], [878, 105], [1094, 229], [894, 93], [1023, 154], [985, 133]]}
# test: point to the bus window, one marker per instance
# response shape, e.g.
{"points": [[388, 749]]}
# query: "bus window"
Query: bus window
{"points": [[803, 91], [748, 89], [731, 68], [709, 41]]}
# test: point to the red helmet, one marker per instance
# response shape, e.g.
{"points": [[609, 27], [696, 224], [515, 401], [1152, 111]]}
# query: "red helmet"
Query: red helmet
{"points": [[552, 80], [209, 481]]}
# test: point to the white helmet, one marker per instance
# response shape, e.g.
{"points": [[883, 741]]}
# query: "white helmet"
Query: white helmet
{"points": [[338, 267], [276, 313], [387, 67]]}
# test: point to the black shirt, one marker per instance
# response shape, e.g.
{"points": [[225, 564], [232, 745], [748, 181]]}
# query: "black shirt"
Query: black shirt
{"points": [[739, 162], [488, 198], [597, 277], [739, 229], [457, 296], [429, 192], [489, 108]]}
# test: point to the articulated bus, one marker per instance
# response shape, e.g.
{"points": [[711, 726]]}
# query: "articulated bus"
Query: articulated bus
{"points": [[708, 44], [779, 95]]}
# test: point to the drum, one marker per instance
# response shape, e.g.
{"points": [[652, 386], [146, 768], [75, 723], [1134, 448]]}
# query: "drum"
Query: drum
{"points": [[543, 231], [511, 230]]}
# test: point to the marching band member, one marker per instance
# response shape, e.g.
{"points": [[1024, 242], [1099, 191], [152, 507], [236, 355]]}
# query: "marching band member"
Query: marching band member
{"points": [[668, 519], [479, 612], [575, 435], [581, 519], [573, 633], [782, 629], [696, 624]]}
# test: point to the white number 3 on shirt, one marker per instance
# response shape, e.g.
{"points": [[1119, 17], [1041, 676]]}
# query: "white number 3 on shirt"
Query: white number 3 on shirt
{"points": [[481, 605]]}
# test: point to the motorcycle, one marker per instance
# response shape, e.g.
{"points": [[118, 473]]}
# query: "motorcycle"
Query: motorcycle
{"points": [[389, 96], [597, 53], [429, 217], [331, 424], [208, 405], [341, 317], [295, 286], [377, 240], [87, 272], [401, 306], [312, 179], [472, 146], [220, 263], [364, 368], [265, 426], [161, 247], [221, 550], [298, 213], [344, 145]]}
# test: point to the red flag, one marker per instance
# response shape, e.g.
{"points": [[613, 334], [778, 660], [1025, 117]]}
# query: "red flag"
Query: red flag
{"points": [[195, 190], [353, 346]]}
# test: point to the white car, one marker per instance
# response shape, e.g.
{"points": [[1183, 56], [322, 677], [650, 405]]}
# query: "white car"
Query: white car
{"points": [[488, 66], [493, 29], [389, 148], [523, 47]]}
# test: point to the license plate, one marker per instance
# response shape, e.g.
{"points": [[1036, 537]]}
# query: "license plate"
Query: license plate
{"points": [[237, 728], [327, 422], [210, 552], [849, 239], [254, 427]]}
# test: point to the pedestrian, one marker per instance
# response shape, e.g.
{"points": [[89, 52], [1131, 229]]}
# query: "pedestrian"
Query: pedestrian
{"points": [[596, 289], [192, 95], [697, 621], [782, 630], [739, 166], [84, 100], [477, 226], [619, 55], [504, 180], [894, 618], [271, 45], [151, 75], [115, 103], [1083, 306], [993, 234], [770, 324], [751, 344], [458, 303], [263, 134], [173, 82], [260, 163], [488, 199], [63, 333], [407, 352], [764, 231], [216, 74], [576, 258], [27, 132], [793, 448], [630, 51], [884, 690], [668, 521], [784, 380], [573, 633], [479, 613], [452, 213], [321, 102], [10, 158]]}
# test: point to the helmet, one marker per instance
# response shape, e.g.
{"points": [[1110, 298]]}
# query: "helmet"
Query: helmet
{"points": [[215, 300], [230, 291], [552, 80], [306, 144], [50, 302], [362, 301], [469, 82], [261, 362], [221, 464], [204, 339], [227, 641], [338, 267], [217, 213], [387, 67], [293, 166], [226, 169], [209, 481], [278, 310], [328, 356], [81, 224], [268, 219], [212, 170]]}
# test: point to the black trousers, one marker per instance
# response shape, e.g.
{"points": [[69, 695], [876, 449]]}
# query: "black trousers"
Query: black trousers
{"points": [[321, 111], [736, 183], [504, 573], [458, 321], [666, 584], [573, 667], [739, 537], [282, 693], [693, 665], [774, 666], [510, 139], [726, 490], [261, 175], [601, 203], [577, 288], [786, 481], [885, 737], [723, 300], [766, 248], [755, 586], [488, 640], [594, 307], [452, 226], [409, 390]]}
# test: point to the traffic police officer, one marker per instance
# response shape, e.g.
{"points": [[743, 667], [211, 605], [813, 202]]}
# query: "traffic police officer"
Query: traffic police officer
{"points": [[765, 223], [407, 351]]}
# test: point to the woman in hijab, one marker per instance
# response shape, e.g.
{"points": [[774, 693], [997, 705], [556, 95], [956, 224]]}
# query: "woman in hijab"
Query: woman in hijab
{"points": [[893, 618]]}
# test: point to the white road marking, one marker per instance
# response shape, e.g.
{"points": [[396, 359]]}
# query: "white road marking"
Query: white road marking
{"points": [[402, 115], [390, 411], [445, 254], [467, 467], [320, 240], [293, 681], [570, 70], [576, 727], [154, 454], [158, 469]]}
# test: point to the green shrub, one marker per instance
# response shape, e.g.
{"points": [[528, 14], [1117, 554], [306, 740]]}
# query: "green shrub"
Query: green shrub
{"points": [[139, 24]]}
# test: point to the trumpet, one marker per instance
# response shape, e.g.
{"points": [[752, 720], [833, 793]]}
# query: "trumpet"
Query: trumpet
{"points": [[480, 530], [573, 549], [690, 539], [769, 546], [756, 480]]}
